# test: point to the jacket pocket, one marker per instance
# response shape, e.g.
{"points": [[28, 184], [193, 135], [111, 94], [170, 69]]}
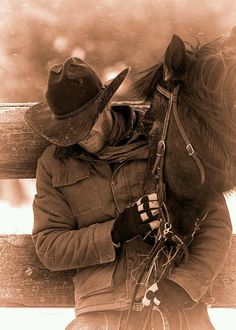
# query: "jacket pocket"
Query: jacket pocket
{"points": [[94, 280], [79, 188]]}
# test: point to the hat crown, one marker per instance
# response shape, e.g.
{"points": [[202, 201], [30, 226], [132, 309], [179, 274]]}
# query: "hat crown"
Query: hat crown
{"points": [[71, 85], [75, 97]]}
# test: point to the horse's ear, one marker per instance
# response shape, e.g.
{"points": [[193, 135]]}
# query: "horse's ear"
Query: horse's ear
{"points": [[175, 60]]}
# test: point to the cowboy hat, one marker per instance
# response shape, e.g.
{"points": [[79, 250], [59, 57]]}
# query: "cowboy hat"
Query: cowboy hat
{"points": [[74, 99]]}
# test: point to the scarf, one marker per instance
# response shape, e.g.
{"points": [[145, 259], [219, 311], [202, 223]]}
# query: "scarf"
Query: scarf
{"points": [[118, 154], [124, 143]]}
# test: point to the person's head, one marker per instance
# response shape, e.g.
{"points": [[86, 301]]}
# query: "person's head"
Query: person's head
{"points": [[77, 106], [99, 134]]}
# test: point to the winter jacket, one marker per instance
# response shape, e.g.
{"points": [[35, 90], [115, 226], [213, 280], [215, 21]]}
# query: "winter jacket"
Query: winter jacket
{"points": [[75, 207]]}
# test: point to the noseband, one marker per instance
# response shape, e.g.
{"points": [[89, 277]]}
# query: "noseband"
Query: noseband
{"points": [[161, 147]]}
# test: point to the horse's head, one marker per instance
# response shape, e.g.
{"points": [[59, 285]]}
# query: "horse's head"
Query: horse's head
{"points": [[206, 107]]}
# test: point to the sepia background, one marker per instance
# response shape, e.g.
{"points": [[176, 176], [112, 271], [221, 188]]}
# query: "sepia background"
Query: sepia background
{"points": [[110, 35]]}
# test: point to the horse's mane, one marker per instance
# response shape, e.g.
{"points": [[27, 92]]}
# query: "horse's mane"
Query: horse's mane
{"points": [[209, 91]]}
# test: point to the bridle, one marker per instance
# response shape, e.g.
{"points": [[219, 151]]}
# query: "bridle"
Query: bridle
{"points": [[165, 229], [158, 166]]}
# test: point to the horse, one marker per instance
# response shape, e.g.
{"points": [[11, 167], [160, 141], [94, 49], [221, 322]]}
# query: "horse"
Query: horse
{"points": [[195, 87]]}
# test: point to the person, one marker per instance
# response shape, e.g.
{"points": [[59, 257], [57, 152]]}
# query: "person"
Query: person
{"points": [[91, 213]]}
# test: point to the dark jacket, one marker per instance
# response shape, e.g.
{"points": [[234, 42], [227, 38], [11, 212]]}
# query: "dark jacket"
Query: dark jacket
{"points": [[75, 208]]}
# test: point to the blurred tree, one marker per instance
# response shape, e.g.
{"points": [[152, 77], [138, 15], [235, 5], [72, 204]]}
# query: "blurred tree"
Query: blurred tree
{"points": [[36, 34]]}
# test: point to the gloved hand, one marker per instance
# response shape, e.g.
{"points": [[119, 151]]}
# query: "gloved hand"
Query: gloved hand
{"points": [[136, 220], [168, 295]]}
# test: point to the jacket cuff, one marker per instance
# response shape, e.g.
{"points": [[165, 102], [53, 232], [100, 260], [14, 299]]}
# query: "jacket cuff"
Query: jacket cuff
{"points": [[172, 296], [196, 290], [103, 244]]}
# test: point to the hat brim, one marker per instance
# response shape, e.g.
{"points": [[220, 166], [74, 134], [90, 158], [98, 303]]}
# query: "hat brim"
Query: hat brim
{"points": [[66, 132]]}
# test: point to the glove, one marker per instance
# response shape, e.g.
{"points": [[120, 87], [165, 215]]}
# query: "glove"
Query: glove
{"points": [[169, 295], [136, 220]]}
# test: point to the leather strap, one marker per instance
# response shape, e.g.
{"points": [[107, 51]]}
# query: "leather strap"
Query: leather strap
{"points": [[173, 105]]}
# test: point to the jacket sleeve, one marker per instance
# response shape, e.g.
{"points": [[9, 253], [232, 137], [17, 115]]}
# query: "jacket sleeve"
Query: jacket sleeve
{"points": [[207, 252], [59, 244]]}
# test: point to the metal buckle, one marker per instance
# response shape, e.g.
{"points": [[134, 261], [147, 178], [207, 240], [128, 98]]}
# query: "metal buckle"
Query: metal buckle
{"points": [[167, 229], [190, 149]]}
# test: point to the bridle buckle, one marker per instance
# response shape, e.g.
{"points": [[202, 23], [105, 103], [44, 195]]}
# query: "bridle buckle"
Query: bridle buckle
{"points": [[190, 149]]}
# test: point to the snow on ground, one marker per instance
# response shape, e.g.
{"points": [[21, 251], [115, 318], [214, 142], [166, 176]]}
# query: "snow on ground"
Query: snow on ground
{"points": [[58, 318], [35, 318], [17, 220]]}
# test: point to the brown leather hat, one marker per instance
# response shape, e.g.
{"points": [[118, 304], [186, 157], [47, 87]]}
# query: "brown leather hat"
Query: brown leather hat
{"points": [[75, 97]]}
